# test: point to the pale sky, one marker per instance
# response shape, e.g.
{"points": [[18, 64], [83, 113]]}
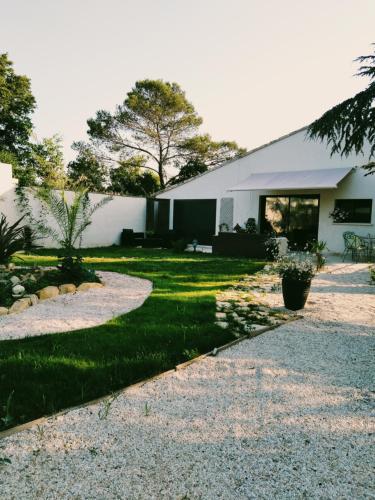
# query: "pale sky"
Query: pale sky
{"points": [[254, 69]]}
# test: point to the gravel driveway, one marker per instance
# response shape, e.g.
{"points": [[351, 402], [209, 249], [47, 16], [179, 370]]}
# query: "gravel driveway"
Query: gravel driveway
{"points": [[283, 415]]}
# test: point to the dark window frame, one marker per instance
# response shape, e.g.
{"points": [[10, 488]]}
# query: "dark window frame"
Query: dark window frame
{"points": [[355, 216]]}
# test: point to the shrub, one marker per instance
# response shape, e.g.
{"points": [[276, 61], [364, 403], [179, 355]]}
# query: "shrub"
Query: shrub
{"points": [[30, 236], [73, 271], [296, 267], [11, 239], [272, 249], [179, 245], [250, 226]]}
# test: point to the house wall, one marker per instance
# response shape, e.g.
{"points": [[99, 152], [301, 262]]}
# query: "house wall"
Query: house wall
{"points": [[107, 223], [293, 152]]}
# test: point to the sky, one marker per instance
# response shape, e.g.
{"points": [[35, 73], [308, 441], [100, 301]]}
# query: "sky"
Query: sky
{"points": [[254, 69]]}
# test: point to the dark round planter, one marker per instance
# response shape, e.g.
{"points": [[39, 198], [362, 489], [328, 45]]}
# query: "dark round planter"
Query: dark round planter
{"points": [[295, 293]]}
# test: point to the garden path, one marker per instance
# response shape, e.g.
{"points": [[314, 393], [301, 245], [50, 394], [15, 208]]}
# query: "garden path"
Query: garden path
{"points": [[68, 312], [283, 415]]}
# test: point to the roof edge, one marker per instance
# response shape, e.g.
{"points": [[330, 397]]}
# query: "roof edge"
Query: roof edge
{"points": [[285, 136]]}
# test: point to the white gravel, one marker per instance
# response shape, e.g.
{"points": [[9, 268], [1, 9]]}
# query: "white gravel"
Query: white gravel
{"points": [[64, 313], [285, 415]]}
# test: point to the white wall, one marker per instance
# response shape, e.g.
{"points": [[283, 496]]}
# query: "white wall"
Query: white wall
{"points": [[107, 223], [6, 180], [293, 152]]}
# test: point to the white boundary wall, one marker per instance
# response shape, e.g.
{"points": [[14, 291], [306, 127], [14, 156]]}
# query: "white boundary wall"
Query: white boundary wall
{"points": [[107, 223]]}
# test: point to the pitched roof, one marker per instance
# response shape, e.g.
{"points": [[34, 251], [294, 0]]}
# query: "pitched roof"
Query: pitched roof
{"points": [[233, 160]]}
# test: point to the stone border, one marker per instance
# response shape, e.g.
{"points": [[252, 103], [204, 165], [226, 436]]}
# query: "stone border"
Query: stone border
{"points": [[48, 292]]}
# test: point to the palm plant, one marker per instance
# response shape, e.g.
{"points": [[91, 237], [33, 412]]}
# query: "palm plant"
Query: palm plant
{"points": [[11, 239], [71, 219]]}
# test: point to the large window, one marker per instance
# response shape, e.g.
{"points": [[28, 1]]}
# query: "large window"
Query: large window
{"points": [[354, 210]]}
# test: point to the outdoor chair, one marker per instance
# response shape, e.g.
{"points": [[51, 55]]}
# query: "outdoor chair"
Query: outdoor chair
{"points": [[353, 245]]}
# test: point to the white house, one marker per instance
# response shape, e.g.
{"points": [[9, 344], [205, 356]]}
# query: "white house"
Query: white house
{"points": [[292, 183]]}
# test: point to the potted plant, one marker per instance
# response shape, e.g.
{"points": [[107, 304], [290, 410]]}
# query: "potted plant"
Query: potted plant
{"points": [[296, 272]]}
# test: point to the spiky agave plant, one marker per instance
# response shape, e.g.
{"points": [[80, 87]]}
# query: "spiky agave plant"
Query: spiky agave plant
{"points": [[71, 219], [11, 239]]}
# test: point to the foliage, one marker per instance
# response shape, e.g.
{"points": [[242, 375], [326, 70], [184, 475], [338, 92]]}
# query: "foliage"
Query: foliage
{"points": [[11, 239], [71, 218], [180, 245], [88, 170], [48, 162], [317, 247], [223, 227], [190, 169], [239, 229], [131, 177], [73, 271], [30, 237], [16, 107], [158, 122], [347, 126], [6, 299], [52, 372], [296, 266], [251, 226], [203, 153], [272, 248], [339, 215], [372, 274], [37, 279]]}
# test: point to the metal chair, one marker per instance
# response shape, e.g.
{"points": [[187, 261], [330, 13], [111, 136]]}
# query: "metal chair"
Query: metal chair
{"points": [[353, 245]]}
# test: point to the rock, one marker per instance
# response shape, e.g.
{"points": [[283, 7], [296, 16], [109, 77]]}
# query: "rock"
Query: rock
{"points": [[20, 305], [48, 292], [84, 287], [222, 324], [220, 315], [67, 288], [3, 311], [11, 266], [15, 280], [18, 291], [33, 299]]}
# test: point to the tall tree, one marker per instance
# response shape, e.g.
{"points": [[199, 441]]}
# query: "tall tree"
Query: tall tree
{"points": [[48, 162], [130, 177], [347, 126], [87, 169], [199, 153], [156, 121], [17, 104]]}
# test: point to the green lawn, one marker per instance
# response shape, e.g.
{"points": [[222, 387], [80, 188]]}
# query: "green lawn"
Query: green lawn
{"points": [[41, 375]]}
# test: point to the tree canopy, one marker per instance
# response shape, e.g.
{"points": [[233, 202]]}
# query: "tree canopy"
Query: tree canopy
{"points": [[157, 122], [347, 126], [17, 104], [87, 169]]}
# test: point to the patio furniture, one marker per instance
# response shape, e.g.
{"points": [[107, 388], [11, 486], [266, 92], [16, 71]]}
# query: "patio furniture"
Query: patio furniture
{"points": [[368, 242], [354, 245]]}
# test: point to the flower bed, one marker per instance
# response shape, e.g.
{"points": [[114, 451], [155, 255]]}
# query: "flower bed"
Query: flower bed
{"points": [[21, 288]]}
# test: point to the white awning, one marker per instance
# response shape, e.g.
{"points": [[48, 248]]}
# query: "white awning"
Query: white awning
{"points": [[323, 178]]}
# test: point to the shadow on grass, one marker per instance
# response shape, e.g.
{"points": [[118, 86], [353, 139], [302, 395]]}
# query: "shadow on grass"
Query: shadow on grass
{"points": [[51, 372]]}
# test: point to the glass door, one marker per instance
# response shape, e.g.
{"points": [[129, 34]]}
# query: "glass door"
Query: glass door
{"points": [[294, 216]]}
